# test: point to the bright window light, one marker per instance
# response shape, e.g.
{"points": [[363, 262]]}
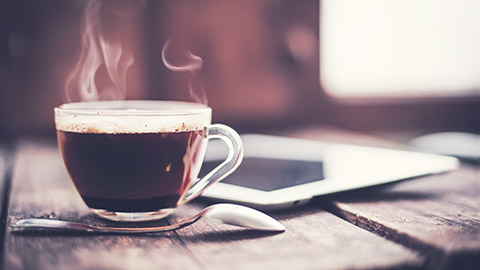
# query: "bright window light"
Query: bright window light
{"points": [[400, 47]]}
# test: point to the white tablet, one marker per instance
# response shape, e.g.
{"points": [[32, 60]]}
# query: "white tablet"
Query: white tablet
{"points": [[279, 172]]}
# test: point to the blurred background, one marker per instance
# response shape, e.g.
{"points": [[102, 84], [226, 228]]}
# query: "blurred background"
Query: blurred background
{"points": [[390, 68]]}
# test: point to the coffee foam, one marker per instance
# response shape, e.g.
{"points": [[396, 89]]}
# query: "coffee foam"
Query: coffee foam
{"points": [[108, 124], [111, 117]]}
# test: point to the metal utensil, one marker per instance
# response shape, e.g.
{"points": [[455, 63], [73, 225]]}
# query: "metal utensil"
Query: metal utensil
{"points": [[227, 213]]}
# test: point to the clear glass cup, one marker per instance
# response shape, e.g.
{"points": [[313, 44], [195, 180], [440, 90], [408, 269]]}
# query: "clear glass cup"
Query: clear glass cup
{"points": [[139, 160]]}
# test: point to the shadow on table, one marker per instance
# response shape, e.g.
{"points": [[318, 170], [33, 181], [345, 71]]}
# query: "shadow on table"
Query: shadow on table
{"points": [[227, 235], [373, 194]]}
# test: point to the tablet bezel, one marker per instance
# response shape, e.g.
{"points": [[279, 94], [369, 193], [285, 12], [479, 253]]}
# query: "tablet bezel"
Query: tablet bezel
{"points": [[383, 166]]}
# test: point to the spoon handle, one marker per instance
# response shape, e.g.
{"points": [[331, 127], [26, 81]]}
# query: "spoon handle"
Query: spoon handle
{"points": [[56, 225], [227, 213]]}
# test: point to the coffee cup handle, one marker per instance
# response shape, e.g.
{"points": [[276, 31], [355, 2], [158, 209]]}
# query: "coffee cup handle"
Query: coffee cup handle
{"points": [[235, 156]]}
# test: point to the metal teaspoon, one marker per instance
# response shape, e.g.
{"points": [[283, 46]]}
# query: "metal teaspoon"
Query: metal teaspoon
{"points": [[227, 213]]}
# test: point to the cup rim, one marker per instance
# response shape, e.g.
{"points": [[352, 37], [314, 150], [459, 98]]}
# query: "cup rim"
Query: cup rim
{"points": [[133, 108]]}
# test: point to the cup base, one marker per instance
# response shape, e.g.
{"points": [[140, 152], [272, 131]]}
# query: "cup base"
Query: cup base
{"points": [[133, 216]]}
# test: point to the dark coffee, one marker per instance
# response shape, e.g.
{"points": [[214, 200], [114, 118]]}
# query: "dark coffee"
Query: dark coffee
{"points": [[132, 172]]}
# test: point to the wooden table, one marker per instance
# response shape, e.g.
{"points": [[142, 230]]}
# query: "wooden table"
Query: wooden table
{"points": [[431, 222]]}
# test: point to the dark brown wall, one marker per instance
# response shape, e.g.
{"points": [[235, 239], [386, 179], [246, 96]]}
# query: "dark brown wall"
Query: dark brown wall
{"points": [[260, 66]]}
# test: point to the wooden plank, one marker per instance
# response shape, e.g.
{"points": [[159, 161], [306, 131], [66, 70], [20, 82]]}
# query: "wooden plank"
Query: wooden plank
{"points": [[5, 172], [4, 167], [436, 215], [314, 238], [41, 188]]}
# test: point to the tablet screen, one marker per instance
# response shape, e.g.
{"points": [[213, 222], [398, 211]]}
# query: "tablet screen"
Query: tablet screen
{"points": [[270, 174]]}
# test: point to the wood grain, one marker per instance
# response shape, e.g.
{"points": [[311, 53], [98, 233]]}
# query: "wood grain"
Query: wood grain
{"points": [[314, 238], [41, 188], [5, 173], [437, 215], [3, 177]]}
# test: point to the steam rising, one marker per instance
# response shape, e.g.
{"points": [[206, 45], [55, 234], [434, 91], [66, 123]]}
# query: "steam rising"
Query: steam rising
{"points": [[179, 59], [96, 52], [191, 63]]}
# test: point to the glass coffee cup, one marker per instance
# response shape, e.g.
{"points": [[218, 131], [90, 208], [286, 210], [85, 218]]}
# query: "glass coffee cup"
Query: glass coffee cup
{"points": [[139, 160]]}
